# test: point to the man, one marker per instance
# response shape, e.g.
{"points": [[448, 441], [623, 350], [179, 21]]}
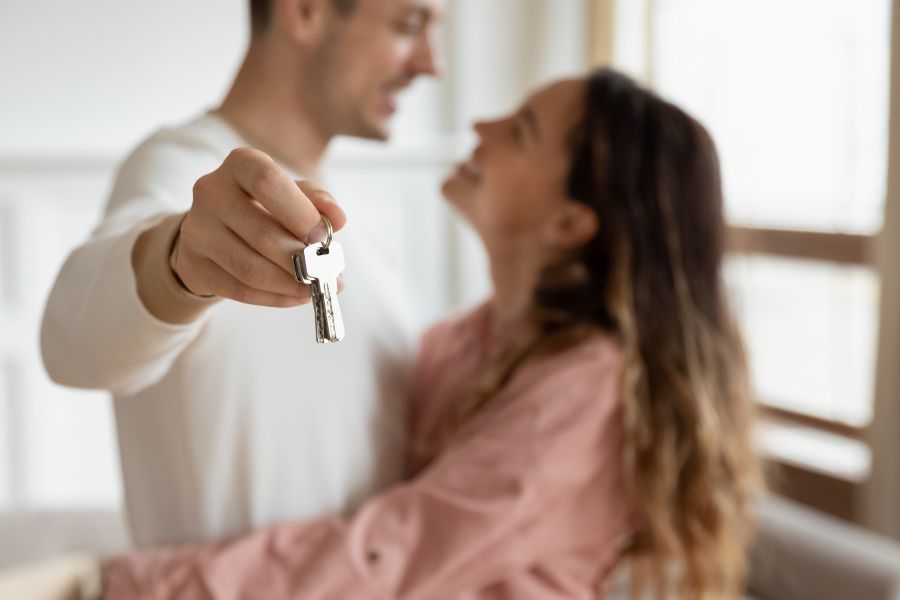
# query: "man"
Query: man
{"points": [[229, 415]]}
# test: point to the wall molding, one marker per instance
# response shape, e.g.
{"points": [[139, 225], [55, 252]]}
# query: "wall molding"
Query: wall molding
{"points": [[57, 161], [346, 153]]}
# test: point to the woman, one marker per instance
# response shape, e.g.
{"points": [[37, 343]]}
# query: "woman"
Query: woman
{"points": [[595, 409]]}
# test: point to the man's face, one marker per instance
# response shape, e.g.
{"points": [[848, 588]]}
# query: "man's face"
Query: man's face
{"points": [[368, 57]]}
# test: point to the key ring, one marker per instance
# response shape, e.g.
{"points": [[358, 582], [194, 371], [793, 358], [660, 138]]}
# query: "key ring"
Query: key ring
{"points": [[297, 257], [329, 233]]}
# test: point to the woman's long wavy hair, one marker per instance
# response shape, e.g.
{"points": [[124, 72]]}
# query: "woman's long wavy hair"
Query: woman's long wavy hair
{"points": [[652, 278]]}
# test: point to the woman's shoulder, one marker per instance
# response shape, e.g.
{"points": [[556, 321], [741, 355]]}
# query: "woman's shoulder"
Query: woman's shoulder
{"points": [[584, 379], [597, 355]]}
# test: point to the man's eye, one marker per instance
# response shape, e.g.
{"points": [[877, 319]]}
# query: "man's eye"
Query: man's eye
{"points": [[409, 27]]}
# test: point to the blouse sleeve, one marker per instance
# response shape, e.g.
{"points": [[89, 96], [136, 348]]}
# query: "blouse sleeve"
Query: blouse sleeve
{"points": [[455, 528]]}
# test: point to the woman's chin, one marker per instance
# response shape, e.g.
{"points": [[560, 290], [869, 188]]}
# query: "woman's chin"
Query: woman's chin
{"points": [[458, 195], [452, 189]]}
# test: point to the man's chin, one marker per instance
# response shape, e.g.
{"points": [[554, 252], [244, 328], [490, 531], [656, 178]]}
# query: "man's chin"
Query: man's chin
{"points": [[378, 131]]}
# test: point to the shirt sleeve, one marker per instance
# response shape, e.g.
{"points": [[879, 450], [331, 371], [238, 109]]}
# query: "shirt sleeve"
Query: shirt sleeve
{"points": [[96, 332], [457, 528]]}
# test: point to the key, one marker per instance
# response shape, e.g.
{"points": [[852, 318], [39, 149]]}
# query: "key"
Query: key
{"points": [[319, 267]]}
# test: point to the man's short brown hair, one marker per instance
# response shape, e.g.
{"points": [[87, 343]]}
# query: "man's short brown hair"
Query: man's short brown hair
{"points": [[261, 11]]}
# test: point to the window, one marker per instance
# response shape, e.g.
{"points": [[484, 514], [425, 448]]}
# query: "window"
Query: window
{"points": [[795, 93]]}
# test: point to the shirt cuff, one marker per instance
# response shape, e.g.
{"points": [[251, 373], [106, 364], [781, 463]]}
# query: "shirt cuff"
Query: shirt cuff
{"points": [[160, 292]]}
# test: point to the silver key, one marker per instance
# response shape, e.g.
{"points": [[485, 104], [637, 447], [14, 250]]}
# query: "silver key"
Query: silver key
{"points": [[319, 266]]}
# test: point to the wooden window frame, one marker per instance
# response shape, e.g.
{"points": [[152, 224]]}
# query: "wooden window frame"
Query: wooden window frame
{"points": [[874, 501], [826, 247], [849, 249], [835, 248]]}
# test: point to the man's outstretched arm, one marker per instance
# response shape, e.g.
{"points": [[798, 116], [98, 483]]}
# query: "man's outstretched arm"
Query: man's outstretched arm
{"points": [[118, 317]]}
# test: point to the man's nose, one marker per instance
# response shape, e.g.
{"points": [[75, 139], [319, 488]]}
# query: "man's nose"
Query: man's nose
{"points": [[427, 59]]}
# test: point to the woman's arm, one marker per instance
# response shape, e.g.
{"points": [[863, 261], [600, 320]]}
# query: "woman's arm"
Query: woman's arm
{"points": [[458, 527], [411, 542]]}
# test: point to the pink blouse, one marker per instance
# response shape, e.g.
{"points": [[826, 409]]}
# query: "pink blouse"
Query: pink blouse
{"points": [[525, 501]]}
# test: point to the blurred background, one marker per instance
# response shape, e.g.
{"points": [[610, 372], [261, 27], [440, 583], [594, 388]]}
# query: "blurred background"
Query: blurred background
{"points": [[797, 94]]}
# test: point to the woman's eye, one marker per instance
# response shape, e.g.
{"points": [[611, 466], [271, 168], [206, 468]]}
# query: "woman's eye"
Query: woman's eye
{"points": [[516, 131]]}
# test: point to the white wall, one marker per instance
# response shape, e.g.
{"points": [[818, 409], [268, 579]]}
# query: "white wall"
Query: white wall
{"points": [[96, 75], [82, 82]]}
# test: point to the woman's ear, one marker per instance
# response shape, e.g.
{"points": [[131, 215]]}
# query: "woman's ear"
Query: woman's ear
{"points": [[302, 20], [571, 226]]}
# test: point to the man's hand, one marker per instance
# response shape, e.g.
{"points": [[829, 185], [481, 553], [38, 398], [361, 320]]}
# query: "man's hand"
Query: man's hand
{"points": [[247, 218]]}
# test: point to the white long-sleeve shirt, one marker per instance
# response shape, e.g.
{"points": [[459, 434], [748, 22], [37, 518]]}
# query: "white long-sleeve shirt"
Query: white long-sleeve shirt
{"points": [[240, 419]]}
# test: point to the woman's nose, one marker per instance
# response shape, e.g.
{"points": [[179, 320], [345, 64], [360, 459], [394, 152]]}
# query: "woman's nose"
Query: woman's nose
{"points": [[493, 127], [481, 128]]}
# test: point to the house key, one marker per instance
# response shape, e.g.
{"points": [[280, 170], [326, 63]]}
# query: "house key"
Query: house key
{"points": [[319, 266]]}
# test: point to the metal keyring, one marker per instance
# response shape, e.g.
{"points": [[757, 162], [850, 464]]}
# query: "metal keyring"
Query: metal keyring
{"points": [[329, 234]]}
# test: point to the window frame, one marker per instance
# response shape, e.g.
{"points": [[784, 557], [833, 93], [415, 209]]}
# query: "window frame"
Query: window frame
{"points": [[838, 248]]}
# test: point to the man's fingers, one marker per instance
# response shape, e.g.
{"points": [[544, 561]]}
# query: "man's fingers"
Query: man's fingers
{"points": [[224, 285], [262, 232], [264, 181], [324, 203], [247, 220], [249, 267]]}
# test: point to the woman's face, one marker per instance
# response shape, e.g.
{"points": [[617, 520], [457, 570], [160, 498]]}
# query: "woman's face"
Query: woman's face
{"points": [[513, 188]]}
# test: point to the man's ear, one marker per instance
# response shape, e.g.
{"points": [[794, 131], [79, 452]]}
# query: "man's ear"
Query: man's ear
{"points": [[303, 20], [571, 226]]}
